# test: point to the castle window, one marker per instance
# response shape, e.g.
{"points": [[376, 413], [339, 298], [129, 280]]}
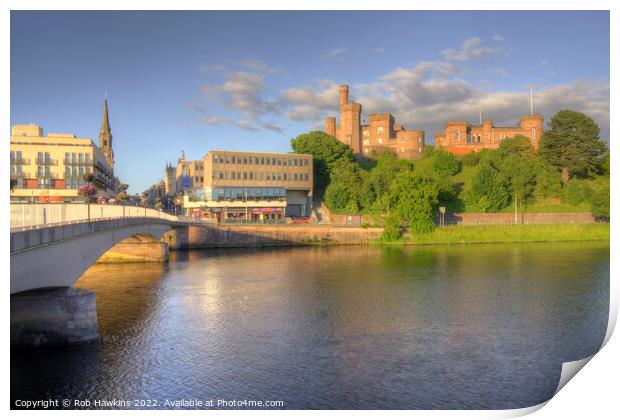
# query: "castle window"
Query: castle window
{"points": [[533, 133], [366, 133], [457, 136], [380, 130], [366, 141], [380, 140], [419, 139]]}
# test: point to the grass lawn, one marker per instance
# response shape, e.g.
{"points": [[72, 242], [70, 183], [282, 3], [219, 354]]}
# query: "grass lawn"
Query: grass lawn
{"points": [[510, 233]]}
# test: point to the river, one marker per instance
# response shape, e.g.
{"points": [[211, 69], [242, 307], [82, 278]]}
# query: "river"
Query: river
{"points": [[449, 327]]}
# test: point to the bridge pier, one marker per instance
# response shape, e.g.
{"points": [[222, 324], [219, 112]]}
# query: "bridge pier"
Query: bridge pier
{"points": [[135, 250], [57, 316]]}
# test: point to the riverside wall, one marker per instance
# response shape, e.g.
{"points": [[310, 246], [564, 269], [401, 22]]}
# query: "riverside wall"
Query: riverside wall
{"points": [[277, 235]]}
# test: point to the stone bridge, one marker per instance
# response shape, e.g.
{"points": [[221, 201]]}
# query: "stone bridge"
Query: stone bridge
{"points": [[52, 245]]}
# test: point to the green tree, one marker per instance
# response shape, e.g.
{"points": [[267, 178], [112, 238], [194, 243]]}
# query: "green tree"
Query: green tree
{"points": [[517, 145], [600, 200], [326, 152], [471, 159], [445, 162], [576, 192], [13, 183], [520, 174], [413, 197], [343, 192], [572, 144], [488, 192], [548, 182], [373, 194], [122, 187]]}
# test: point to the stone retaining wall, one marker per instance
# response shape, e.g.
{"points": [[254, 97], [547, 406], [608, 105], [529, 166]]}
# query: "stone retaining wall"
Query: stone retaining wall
{"points": [[282, 235]]}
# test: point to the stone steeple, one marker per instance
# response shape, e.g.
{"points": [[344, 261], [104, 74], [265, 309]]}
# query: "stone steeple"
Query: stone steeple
{"points": [[105, 135]]}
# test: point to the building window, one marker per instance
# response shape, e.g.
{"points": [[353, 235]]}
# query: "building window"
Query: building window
{"points": [[380, 140], [380, 130], [284, 176], [366, 133], [457, 136], [533, 133]]}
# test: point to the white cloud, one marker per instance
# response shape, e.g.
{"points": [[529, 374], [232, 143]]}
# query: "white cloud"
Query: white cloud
{"points": [[498, 38], [471, 48], [335, 52]]}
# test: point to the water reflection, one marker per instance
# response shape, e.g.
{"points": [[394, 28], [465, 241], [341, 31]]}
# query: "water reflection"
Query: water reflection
{"points": [[344, 327]]}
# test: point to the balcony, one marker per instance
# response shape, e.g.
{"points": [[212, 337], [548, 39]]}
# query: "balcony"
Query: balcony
{"points": [[16, 161], [73, 163], [47, 162], [50, 175], [18, 175]]}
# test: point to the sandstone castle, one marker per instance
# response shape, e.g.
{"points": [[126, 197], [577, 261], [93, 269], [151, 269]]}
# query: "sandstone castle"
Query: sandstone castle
{"points": [[381, 133], [459, 137]]}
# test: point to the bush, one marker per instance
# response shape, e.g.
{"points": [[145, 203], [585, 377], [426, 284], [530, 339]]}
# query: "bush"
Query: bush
{"points": [[471, 159], [392, 229], [488, 192], [414, 196], [576, 192], [444, 162], [600, 201]]}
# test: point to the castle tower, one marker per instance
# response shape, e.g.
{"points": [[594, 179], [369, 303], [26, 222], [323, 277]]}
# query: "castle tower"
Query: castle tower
{"points": [[344, 94], [350, 121], [330, 126], [532, 127], [105, 136]]}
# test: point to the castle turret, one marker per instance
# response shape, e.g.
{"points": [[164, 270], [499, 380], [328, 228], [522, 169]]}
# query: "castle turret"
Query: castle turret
{"points": [[344, 94], [330, 126], [532, 127]]}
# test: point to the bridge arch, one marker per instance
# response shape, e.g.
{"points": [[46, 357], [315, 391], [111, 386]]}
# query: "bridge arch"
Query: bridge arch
{"points": [[57, 256]]}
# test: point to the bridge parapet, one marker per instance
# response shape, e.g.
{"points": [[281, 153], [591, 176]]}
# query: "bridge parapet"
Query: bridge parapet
{"points": [[25, 216]]}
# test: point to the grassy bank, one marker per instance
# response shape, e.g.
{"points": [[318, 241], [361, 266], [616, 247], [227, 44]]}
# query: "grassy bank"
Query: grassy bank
{"points": [[509, 233]]}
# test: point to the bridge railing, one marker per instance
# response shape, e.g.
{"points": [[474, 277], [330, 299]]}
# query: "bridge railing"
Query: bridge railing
{"points": [[32, 215]]}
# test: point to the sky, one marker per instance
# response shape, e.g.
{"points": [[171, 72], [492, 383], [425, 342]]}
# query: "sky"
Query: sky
{"points": [[204, 80]]}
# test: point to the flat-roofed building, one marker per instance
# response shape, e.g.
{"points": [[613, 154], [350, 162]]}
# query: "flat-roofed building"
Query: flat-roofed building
{"points": [[253, 186], [51, 168]]}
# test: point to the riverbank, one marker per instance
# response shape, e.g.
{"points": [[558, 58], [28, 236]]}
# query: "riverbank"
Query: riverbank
{"points": [[507, 234]]}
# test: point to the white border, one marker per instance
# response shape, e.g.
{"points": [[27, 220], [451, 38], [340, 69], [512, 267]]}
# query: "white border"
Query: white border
{"points": [[593, 394]]}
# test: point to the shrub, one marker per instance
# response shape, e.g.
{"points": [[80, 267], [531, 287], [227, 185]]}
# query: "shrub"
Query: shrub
{"points": [[471, 159], [444, 162], [576, 192], [600, 201], [392, 229], [488, 192]]}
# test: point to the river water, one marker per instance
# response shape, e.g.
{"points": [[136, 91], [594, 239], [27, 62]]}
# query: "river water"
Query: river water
{"points": [[474, 326]]}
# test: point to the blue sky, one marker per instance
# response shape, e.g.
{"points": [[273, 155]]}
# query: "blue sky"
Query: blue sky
{"points": [[199, 81]]}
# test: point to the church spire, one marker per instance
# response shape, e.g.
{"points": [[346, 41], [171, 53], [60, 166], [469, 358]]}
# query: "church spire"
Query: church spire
{"points": [[105, 135]]}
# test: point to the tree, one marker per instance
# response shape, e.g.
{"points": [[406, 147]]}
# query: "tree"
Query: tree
{"points": [[520, 174], [88, 178], [572, 144], [122, 187], [13, 183], [373, 193], [488, 191], [413, 197], [517, 145], [471, 159], [343, 192], [548, 182], [445, 163], [326, 151], [600, 201]]}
